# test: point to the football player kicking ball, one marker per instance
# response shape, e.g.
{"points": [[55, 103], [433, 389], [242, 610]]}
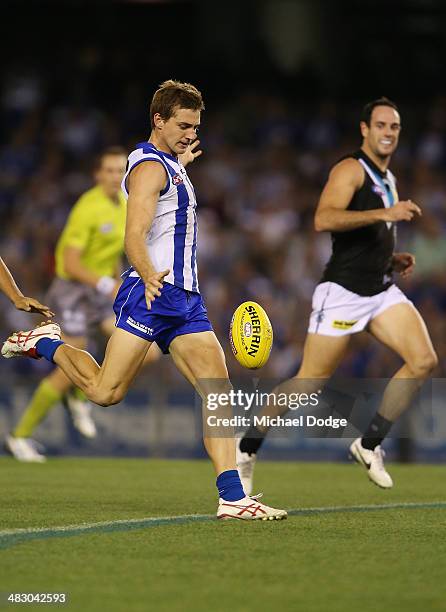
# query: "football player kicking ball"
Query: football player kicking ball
{"points": [[159, 300], [359, 206]]}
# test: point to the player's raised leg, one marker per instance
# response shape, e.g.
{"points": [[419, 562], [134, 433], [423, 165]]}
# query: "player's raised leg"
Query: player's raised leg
{"points": [[322, 355], [76, 401], [105, 385], [200, 358], [402, 329]]}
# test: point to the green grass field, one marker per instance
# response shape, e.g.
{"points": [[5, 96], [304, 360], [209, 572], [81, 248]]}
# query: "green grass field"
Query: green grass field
{"points": [[336, 557]]}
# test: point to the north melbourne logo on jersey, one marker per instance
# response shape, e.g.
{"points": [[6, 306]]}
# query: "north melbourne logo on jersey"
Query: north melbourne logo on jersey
{"points": [[177, 180]]}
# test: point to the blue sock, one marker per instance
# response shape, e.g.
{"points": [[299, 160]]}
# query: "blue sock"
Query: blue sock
{"points": [[229, 486], [46, 347]]}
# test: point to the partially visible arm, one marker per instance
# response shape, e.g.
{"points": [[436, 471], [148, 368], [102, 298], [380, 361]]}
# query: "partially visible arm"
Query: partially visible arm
{"points": [[73, 266], [76, 235], [145, 183], [21, 302], [332, 214], [75, 269], [8, 284]]}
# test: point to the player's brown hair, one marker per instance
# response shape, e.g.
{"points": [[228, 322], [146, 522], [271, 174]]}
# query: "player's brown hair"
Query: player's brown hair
{"points": [[172, 94], [367, 111], [114, 150]]}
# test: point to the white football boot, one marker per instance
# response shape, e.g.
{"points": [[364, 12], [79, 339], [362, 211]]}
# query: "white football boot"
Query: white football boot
{"points": [[245, 465], [23, 449], [80, 413], [373, 461], [249, 509], [23, 344]]}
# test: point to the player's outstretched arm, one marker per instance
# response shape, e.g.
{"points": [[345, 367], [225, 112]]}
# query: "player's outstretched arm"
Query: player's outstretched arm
{"points": [[145, 183], [21, 302], [332, 214]]}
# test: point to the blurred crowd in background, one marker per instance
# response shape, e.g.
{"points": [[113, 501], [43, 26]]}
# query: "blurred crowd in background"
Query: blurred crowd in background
{"points": [[265, 159]]}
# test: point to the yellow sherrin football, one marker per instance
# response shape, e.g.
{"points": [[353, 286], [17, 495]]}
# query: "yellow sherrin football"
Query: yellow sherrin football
{"points": [[251, 335]]}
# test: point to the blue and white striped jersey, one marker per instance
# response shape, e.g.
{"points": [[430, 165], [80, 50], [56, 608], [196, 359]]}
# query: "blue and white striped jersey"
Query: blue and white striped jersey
{"points": [[172, 239]]}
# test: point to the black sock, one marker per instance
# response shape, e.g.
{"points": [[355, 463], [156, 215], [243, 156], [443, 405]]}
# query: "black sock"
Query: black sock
{"points": [[252, 440], [375, 433]]}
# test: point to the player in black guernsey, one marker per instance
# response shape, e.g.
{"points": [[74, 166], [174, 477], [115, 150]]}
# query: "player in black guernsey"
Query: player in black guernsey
{"points": [[362, 259], [359, 205]]}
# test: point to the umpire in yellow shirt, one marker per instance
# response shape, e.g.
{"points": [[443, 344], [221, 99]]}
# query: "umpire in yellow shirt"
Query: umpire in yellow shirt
{"points": [[88, 264]]}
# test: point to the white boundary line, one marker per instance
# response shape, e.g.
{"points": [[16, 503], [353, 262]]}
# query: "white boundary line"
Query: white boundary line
{"points": [[86, 526], [164, 520]]}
